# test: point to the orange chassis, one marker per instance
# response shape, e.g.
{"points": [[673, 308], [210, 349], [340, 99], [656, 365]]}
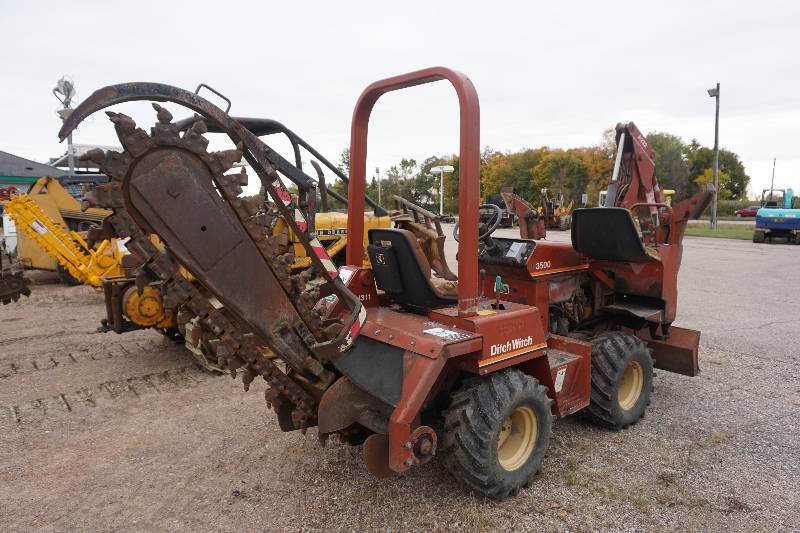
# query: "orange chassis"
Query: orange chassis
{"points": [[488, 329]]}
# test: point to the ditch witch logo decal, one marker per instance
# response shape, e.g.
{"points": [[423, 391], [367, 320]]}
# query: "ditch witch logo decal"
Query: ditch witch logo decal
{"points": [[512, 345]]}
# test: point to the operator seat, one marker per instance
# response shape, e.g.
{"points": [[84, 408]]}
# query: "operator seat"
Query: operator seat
{"points": [[403, 272], [607, 233]]}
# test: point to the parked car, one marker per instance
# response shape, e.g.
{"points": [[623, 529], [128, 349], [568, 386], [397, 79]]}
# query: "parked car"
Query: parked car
{"points": [[747, 212]]}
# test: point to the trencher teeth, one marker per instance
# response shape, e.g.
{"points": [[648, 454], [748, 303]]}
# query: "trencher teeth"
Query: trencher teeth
{"points": [[123, 124], [164, 116]]}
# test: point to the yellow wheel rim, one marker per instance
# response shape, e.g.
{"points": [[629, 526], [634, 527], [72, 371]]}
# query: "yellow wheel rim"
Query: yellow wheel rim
{"points": [[517, 438], [630, 387]]}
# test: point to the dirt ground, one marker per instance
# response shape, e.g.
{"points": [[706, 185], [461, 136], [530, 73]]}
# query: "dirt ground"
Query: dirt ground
{"points": [[124, 432]]}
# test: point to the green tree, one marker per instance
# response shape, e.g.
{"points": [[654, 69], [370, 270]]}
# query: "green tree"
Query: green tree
{"points": [[344, 162], [723, 179], [599, 163], [512, 169], [672, 167], [700, 158], [564, 170]]}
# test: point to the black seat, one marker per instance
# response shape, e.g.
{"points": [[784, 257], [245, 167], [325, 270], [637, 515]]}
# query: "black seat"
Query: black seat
{"points": [[607, 233], [403, 272]]}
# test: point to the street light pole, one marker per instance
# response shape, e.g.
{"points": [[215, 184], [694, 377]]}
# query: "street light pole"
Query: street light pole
{"points": [[441, 169], [66, 89], [714, 93], [441, 192]]}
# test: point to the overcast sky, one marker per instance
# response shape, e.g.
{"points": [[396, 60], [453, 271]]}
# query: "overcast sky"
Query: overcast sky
{"points": [[547, 73]]}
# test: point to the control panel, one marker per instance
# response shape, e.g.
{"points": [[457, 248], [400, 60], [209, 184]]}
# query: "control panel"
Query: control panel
{"points": [[507, 252]]}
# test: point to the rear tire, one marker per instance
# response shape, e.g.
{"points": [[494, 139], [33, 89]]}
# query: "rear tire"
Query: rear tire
{"points": [[758, 236], [622, 379], [496, 432]]}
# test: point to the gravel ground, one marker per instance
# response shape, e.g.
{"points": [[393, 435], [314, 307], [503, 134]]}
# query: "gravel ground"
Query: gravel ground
{"points": [[100, 431]]}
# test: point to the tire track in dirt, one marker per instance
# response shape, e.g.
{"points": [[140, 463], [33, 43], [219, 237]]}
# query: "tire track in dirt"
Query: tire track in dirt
{"points": [[105, 394], [49, 359], [56, 358]]}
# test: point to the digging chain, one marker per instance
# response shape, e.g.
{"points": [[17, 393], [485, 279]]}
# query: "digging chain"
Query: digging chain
{"points": [[238, 349], [13, 285]]}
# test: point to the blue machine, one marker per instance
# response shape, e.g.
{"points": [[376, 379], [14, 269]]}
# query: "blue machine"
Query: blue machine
{"points": [[777, 218]]}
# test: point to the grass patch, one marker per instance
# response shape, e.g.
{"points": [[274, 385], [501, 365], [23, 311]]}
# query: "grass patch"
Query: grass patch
{"points": [[570, 473], [639, 502], [723, 231]]}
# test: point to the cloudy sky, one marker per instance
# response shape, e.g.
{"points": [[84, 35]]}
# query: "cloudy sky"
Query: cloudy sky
{"points": [[547, 73]]}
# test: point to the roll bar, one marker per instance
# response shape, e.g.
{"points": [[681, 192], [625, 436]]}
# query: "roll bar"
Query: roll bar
{"points": [[469, 172]]}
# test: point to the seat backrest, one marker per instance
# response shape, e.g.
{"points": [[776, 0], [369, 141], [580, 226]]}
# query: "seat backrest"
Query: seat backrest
{"points": [[607, 233], [402, 271]]}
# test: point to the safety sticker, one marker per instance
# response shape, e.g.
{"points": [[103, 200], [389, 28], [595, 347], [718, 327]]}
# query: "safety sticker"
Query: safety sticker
{"points": [[447, 334], [39, 227], [559, 384], [345, 274], [121, 246]]}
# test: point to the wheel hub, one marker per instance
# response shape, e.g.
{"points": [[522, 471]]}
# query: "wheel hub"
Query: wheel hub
{"points": [[517, 438], [630, 386]]}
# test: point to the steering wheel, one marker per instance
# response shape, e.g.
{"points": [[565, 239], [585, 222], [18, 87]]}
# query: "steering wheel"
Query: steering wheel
{"points": [[485, 230]]}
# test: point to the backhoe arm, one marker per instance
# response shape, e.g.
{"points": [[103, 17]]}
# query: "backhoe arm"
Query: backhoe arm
{"points": [[634, 178], [531, 226]]}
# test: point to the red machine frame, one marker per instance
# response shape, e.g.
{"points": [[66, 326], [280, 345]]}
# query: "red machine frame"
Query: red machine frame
{"points": [[481, 340]]}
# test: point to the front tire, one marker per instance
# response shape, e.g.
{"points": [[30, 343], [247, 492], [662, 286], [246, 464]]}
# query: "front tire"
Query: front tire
{"points": [[496, 432], [622, 379]]}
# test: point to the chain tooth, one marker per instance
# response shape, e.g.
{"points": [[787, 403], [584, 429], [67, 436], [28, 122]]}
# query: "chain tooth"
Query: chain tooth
{"points": [[193, 139], [242, 177], [113, 164], [252, 204], [221, 162], [135, 140], [232, 188], [164, 132]]}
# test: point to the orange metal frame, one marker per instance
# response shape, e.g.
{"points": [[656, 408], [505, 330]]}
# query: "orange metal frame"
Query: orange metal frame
{"points": [[509, 334], [469, 172]]}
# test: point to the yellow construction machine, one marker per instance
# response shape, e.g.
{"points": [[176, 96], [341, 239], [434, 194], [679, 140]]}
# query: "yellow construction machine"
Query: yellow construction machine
{"points": [[51, 228]]}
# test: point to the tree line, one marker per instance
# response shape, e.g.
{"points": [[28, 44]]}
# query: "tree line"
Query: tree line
{"points": [[680, 166]]}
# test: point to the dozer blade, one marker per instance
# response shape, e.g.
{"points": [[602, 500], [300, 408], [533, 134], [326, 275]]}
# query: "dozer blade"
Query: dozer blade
{"points": [[167, 184]]}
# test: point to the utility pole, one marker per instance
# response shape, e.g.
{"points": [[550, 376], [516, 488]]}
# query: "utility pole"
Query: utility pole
{"points": [[66, 89], [714, 93], [772, 183]]}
